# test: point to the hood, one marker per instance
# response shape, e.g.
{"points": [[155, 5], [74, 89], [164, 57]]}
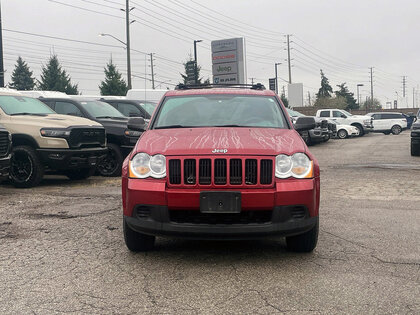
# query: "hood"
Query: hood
{"points": [[362, 116], [228, 141], [52, 121], [115, 123]]}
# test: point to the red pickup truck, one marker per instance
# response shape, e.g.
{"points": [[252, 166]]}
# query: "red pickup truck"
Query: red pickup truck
{"points": [[221, 163]]}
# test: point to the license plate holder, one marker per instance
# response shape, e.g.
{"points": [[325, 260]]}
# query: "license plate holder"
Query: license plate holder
{"points": [[220, 202]]}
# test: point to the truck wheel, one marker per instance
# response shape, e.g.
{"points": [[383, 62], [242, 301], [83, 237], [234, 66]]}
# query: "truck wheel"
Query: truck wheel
{"points": [[415, 149], [111, 165], [303, 243], [26, 169], [342, 134], [361, 131], [137, 242], [79, 174], [396, 130]]}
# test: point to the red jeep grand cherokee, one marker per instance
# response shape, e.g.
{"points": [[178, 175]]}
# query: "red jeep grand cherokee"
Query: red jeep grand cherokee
{"points": [[221, 163]]}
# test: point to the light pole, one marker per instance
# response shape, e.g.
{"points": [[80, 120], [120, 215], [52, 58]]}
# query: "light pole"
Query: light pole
{"points": [[277, 84], [358, 99], [195, 59], [128, 58]]}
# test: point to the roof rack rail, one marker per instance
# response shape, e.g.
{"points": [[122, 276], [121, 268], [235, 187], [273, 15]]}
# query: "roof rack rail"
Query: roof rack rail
{"points": [[256, 86]]}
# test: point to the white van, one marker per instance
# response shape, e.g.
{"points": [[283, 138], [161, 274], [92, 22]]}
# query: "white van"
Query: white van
{"points": [[147, 95]]}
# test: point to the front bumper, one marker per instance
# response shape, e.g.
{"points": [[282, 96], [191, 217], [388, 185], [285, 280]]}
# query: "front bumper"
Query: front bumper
{"points": [[291, 207], [318, 134], [367, 129], [64, 159], [4, 167]]}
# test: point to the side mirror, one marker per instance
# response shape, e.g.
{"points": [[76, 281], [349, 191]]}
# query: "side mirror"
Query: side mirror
{"points": [[304, 123], [137, 124]]}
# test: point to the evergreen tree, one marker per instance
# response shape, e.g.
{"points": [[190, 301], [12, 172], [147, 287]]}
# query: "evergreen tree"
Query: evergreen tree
{"points": [[113, 84], [344, 92], [54, 78], [325, 90], [22, 77], [284, 99]]}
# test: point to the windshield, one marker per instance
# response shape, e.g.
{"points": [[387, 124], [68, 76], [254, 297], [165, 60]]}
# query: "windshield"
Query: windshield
{"points": [[101, 109], [149, 107], [294, 113], [346, 113], [15, 105], [219, 111]]}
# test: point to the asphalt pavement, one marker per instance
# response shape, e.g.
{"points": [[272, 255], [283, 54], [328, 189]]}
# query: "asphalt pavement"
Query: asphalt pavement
{"points": [[62, 249]]}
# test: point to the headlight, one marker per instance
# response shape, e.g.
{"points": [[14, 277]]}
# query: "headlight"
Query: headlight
{"points": [[133, 133], [56, 133], [367, 121], [143, 165], [298, 165]]}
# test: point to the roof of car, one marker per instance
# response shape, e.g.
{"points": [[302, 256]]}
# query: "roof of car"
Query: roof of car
{"points": [[212, 91], [384, 113]]}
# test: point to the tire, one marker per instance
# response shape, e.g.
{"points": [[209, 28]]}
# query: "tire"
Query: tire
{"points": [[137, 242], [342, 134], [304, 243], [415, 149], [26, 168], [111, 165], [79, 174], [396, 129], [361, 131]]}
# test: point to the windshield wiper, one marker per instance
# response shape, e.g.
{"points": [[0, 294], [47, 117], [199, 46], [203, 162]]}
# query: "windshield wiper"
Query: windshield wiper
{"points": [[229, 126], [111, 117], [24, 113], [174, 126]]}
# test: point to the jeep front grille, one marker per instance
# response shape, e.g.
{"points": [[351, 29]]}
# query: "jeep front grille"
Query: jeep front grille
{"points": [[220, 171], [4, 143], [87, 137]]}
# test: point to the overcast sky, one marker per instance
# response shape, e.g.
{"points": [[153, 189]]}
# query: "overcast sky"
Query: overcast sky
{"points": [[344, 38]]}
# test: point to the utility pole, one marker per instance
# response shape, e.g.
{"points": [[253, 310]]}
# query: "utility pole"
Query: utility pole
{"points": [[151, 67], [371, 88], [1, 54], [403, 83], [309, 98], [284, 93], [195, 60], [277, 80], [127, 28], [288, 59]]}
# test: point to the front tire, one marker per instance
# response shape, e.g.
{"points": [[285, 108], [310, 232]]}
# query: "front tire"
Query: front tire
{"points": [[137, 242], [80, 174], [361, 131], [111, 165], [303, 243], [415, 149], [396, 130], [342, 134], [26, 168]]}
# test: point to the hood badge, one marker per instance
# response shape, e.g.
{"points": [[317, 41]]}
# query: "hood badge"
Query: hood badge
{"points": [[220, 151]]}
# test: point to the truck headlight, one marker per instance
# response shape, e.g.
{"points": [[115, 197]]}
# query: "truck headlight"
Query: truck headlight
{"points": [[298, 166], [143, 165], [55, 132], [367, 122]]}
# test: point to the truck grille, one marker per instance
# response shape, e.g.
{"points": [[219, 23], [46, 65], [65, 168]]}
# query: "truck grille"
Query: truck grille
{"points": [[87, 137], [220, 171], [4, 143]]}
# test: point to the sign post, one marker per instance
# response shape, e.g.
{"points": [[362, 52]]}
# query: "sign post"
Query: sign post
{"points": [[228, 61]]}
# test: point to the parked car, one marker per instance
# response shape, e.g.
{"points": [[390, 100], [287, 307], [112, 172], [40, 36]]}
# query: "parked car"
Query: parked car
{"points": [[132, 108], [44, 141], [346, 131], [120, 140], [320, 133], [147, 95], [415, 138], [5, 150], [342, 117], [196, 172], [388, 122]]}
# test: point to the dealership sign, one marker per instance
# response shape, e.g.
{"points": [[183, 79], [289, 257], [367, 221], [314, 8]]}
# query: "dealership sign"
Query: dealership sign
{"points": [[228, 61]]}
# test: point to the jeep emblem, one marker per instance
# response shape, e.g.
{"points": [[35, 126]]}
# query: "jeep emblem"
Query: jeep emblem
{"points": [[219, 151]]}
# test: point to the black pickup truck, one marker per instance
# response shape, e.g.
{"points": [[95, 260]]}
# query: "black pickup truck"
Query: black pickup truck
{"points": [[5, 148], [120, 140], [415, 136]]}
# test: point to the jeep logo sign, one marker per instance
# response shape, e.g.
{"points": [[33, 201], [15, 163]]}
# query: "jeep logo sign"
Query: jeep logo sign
{"points": [[228, 61], [219, 151]]}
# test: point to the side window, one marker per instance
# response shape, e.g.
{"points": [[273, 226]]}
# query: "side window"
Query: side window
{"points": [[397, 116], [388, 116], [66, 108], [49, 103], [337, 114], [376, 116], [325, 113], [129, 110]]}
